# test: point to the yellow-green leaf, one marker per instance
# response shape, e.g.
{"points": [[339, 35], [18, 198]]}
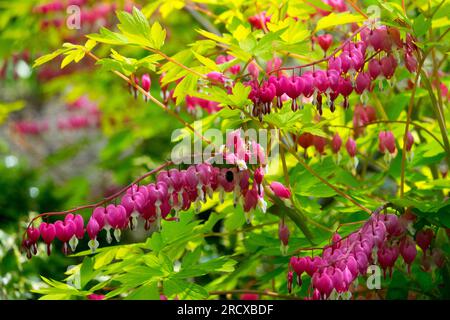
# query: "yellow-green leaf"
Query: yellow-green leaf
{"points": [[68, 59], [90, 44], [158, 35], [335, 19], [213, 36], [241, 33], [48, 57], [296, 32], [210, 64]]}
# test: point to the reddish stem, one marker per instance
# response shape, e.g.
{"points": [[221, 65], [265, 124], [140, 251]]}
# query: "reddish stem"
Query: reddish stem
{"points": [[100, 203]]}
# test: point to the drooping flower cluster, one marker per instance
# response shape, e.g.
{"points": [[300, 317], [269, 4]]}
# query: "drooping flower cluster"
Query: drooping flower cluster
{"points": [[306, 140], [82, 114], [92, 17], [192, 103], [362, 115], [31, 127], [346, 72], [386, 144], [173, 191], [381, 240], [56, 5]]}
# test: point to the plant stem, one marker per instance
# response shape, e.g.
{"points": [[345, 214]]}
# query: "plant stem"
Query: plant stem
{"points": [[243, 230], [102, 202], [285, 169], [310, 170], [408, 120], [439, 115], [165, 56], [357, 9]]}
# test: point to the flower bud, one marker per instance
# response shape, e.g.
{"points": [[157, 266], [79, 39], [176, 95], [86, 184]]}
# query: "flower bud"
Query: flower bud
{"points": [[280, 190]]}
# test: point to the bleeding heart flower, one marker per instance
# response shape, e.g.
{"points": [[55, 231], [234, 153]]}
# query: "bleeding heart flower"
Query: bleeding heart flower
{"points": [[362, 82], [423, 239], [408, 251], [48, 233], [283, 233], [79, 224], [99, 214], [336, 143], [323, 283], [64, 232], [146, 82], [374, 68], [94, 296], [325, 41], [33, 234], [351, 147], [280, 190], [409, 141], [215, 76], [305, 140], [92, 228]]}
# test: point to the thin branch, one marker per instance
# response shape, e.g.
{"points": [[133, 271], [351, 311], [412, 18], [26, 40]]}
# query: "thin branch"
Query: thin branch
{"points": [[165, 56], [357, 9], [310, 170], [394, 121], [156, 101], [408, 120], [102, 202], [223, 234]]}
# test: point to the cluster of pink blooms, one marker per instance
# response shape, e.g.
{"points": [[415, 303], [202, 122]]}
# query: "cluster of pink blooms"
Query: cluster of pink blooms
{"points": [[100, 13], [362, 115], [306, 140], [145, 83], [325, 41], [386, 143], [173, 191], [192, 103], [88, 115], [346, 73], [381, 240], [83, 113], [31, 127], [57, 6]]}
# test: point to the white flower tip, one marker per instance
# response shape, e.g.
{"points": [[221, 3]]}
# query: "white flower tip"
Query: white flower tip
{"points": [[241, 164]]}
